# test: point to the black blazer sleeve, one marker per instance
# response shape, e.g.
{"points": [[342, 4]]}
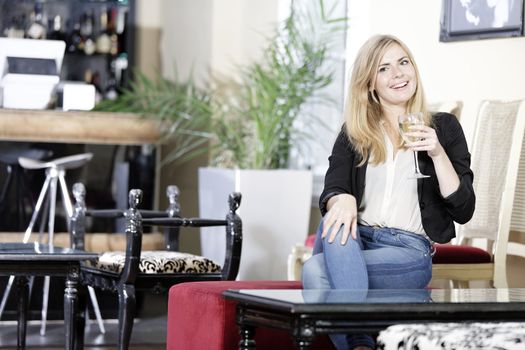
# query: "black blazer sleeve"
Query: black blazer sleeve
{"points": [[343, 174], [460, 204]]}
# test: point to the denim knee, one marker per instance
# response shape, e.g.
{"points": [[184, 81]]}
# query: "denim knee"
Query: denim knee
{"points": [[345, 265], [314, 274]]}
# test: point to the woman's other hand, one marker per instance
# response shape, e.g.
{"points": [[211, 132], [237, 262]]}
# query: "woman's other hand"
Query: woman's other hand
{"points": [[342, 211]]}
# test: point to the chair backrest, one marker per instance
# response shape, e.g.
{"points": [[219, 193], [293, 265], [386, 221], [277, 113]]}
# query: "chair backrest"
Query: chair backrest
{"points": [[170, 219], [496, 151]]}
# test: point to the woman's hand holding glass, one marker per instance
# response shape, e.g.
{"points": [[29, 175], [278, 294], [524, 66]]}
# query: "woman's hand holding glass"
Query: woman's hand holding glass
{"points": [[427, 140], [411, 127], [342, 212]]}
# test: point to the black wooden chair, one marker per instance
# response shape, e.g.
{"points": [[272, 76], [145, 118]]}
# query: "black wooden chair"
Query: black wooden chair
{"points": [[156, 271]]}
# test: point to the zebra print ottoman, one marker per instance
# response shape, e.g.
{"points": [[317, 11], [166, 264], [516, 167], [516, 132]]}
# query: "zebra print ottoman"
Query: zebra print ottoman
{"points": [[453, 336]]}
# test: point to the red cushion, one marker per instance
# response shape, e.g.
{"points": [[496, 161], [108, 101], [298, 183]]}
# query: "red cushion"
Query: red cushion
{"points": [[460, 254], [200, 318], [310, 241]]}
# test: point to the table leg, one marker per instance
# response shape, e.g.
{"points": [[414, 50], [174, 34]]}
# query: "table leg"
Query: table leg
{"points": [[71, 306], [247, 341], [304, 335], [302, 343], [126, 313], [80, 318], [23, 291]]}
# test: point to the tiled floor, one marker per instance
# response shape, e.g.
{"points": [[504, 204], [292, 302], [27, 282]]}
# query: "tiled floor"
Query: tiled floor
{"points": [[148, 333]]}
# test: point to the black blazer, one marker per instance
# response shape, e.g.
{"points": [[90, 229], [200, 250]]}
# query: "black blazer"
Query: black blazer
{"points": [[437, 213]]}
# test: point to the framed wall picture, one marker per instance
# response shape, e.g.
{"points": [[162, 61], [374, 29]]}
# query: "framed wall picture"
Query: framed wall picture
{"points": [[480, 19]]}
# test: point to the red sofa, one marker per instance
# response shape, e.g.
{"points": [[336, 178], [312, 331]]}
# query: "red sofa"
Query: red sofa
{"points": [[200, 318]]}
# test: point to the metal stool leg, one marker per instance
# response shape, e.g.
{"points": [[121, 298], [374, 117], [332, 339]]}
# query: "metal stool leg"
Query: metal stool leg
{"points": [[52, 208], [38, 206], [45, 300], [53, 173], [98, 316], [66, 199], [6, 294]]}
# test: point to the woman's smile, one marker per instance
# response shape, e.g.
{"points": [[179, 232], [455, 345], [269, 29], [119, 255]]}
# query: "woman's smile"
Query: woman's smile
{"points": [[399, 85]]}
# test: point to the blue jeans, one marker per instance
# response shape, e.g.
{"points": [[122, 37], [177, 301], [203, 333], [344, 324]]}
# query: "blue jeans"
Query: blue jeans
{"points": [[380, 258]]}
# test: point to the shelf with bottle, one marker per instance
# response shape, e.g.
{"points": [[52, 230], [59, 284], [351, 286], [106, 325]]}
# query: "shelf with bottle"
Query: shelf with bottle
{"points": [[103, 36], [96, 35]]}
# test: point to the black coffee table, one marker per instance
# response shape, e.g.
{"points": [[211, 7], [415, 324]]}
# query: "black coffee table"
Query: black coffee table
{"points": [[307, 313], [33, 259]]}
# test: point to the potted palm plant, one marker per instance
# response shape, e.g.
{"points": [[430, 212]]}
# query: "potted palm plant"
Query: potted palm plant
{"points": [[254, 127]]}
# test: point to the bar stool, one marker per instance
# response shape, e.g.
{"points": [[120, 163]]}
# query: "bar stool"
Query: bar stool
{"points": [[16, 183], [55, 176]]}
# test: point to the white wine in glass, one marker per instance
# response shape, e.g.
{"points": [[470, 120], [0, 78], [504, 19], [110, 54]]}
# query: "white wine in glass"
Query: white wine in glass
{"points": [[405, 122]]}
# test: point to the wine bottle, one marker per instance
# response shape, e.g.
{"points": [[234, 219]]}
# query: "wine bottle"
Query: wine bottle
{"points": [[112, 30], [122, 29], [103, 40], [74, 41], [16, 27], [56, 32], [86, 30], [37, 28], [94, 78], [111, 90]]}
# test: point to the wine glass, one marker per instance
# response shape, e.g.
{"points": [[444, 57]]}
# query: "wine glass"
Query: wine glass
{"points": [[405, 122]]}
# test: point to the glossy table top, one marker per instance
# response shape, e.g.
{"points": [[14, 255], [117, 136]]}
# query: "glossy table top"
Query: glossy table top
{"points": [[313, 301], [41, 252]]}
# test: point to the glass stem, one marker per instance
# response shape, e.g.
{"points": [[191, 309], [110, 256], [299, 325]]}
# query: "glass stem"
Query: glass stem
{"points": [[416, 163]]}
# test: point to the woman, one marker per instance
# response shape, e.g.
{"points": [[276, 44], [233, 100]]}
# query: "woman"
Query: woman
{"points": [[393, 220]]}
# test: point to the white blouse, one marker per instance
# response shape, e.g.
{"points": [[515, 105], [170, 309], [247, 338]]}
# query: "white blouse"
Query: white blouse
{"points": [[390, 198]]}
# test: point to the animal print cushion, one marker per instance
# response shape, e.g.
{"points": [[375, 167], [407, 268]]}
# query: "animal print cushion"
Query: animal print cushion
{"points": [[453, 336], [160, 262]]}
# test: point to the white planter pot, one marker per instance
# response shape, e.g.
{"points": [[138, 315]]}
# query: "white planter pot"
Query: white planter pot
{"points": [[275, 213]]}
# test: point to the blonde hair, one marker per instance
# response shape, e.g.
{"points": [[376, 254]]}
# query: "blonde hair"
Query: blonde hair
{"points": [[363, 113]]}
